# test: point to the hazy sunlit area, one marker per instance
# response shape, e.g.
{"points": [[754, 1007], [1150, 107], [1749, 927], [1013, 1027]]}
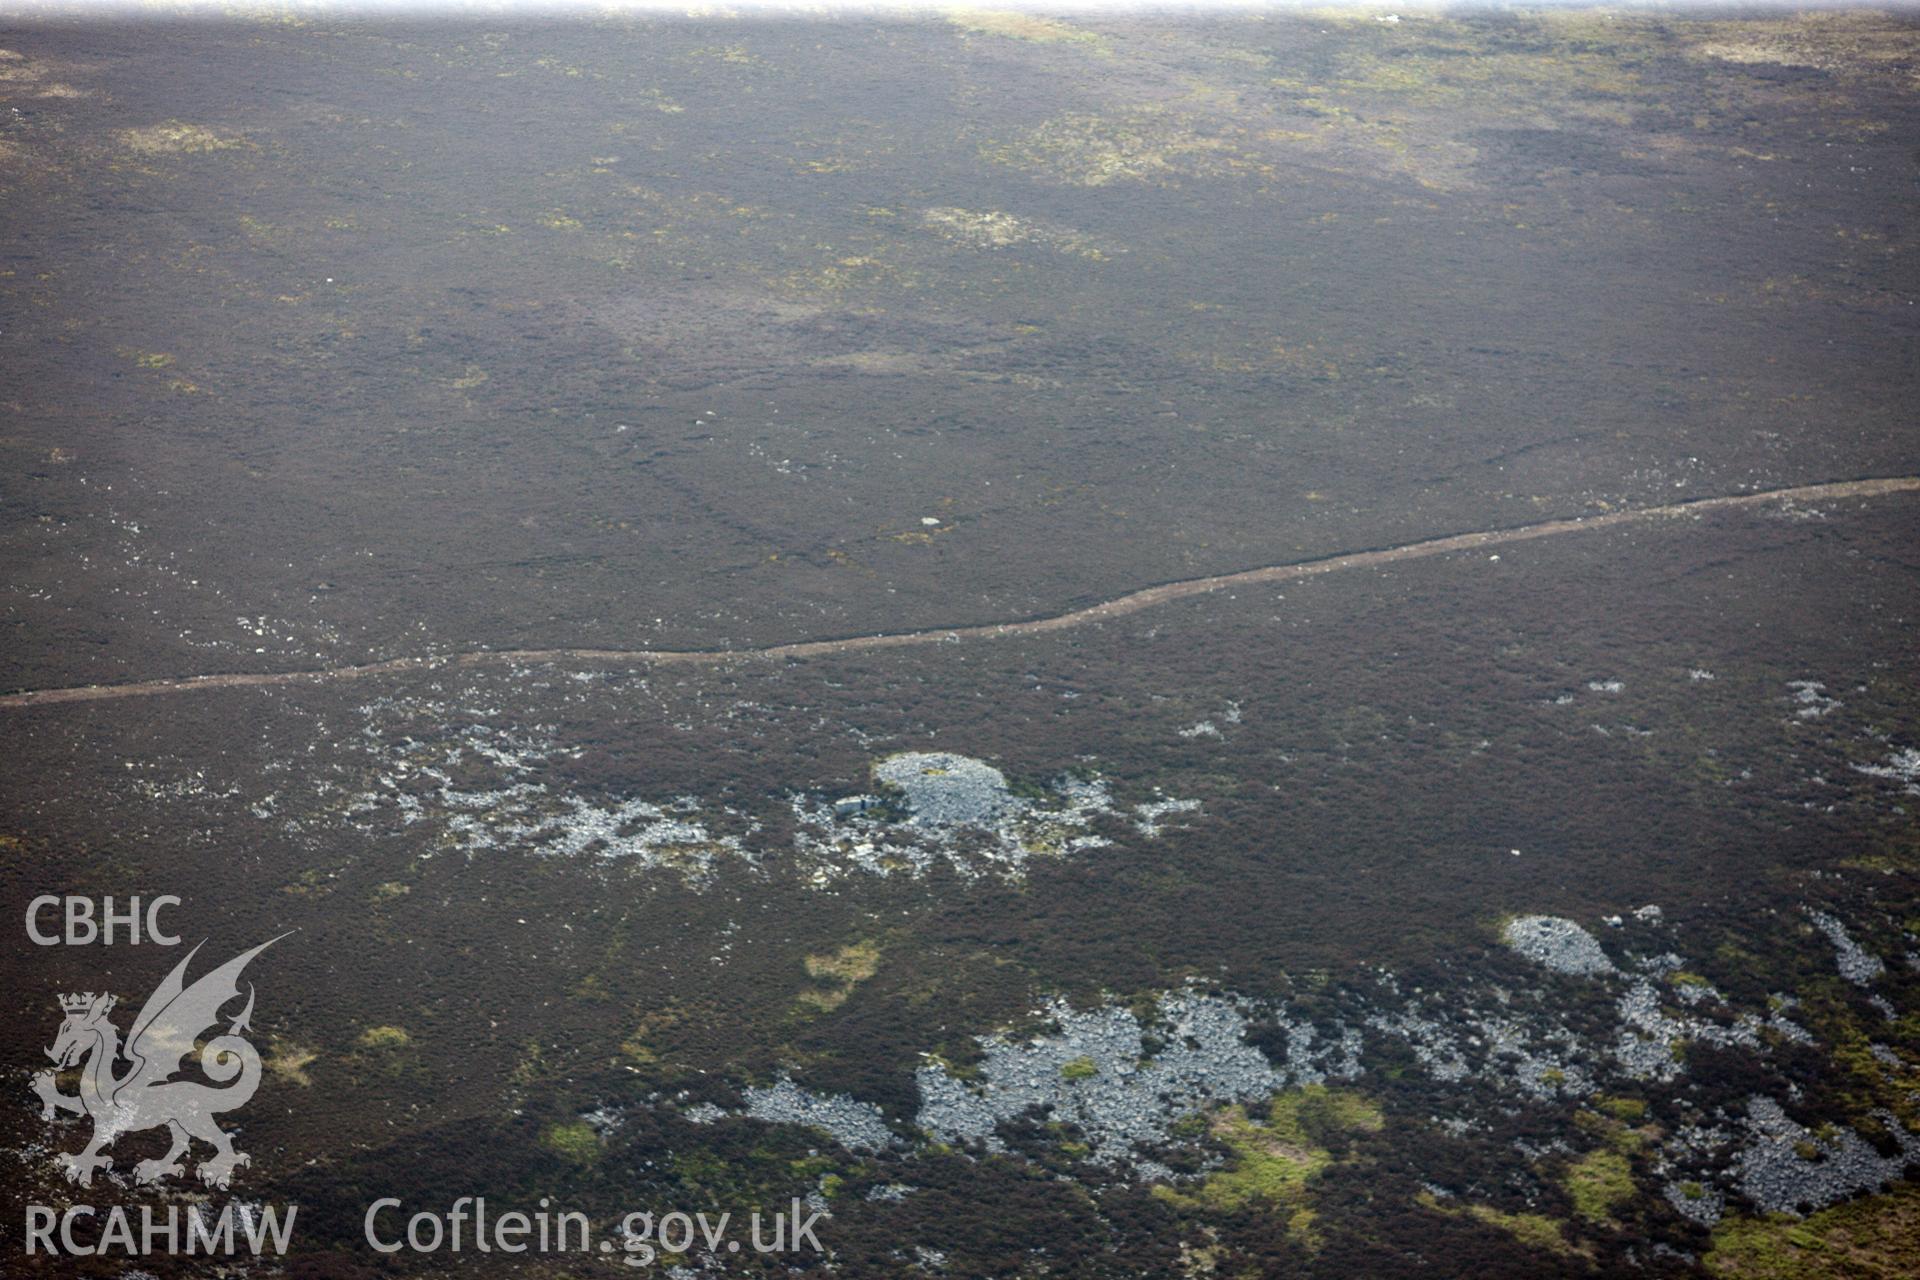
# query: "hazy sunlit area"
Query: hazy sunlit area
{"points": [[928, 642]]}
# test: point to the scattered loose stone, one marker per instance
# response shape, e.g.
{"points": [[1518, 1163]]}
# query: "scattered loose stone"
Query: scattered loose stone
{"points": [[856, 1125], [603, 1120], [1777, 1178], [993, 229], [1856, 965], [1123, 1083], [522, 814], [1147, 817], [1696, 1202], [1130, 1098], [1650, 1037], [957, 809], [1902, 766], [1434, 1047], [1811, 699]]}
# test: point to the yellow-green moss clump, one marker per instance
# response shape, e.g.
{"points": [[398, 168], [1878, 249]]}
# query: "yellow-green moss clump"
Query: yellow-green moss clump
{"points": [[839, 972], [385, 1038], [1012, 25], [174, 137], [1601, 1183], [1875, 1238], [1273, 1163], [1629, 1110], [576, 1141], [1535, 1230], [1146, 144], [289, 1062]]}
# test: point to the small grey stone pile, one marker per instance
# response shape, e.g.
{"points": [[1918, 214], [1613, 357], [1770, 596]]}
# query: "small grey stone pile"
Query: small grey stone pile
{"points": [[1560, 945], [958, 809], [947, 790]]}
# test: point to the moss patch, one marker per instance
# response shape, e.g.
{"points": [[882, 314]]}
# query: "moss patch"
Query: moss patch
{"points": [[839, 972], [1147, 144], [1011, 25], [174, 137], [385, 1038], [1273, 1162], [1535, 1230], [1600, 1182], [289, 1062], [576, 1141], [1875, 1238]]}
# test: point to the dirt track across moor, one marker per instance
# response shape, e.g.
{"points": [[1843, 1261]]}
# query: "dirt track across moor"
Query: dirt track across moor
{"points": [[1119, 606]]}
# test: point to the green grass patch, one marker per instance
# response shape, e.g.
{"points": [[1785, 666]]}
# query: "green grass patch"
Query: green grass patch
{"points": [[385, 1038], [1600, 1182], [576, 1141], [1534, 1230], [1873, 1238], [1272, 1162]]}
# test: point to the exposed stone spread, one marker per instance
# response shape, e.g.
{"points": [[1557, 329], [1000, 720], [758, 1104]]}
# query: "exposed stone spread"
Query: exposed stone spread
{"points": [[483, 788], [703, 1113], [954, 808], [1123, 1084], [1131, 1098], [1902, 766], [1856, 964], [858, 1126], [521, 813], [1810, 699], [1149, 818], [1695, 1202], [1773, 1173]]}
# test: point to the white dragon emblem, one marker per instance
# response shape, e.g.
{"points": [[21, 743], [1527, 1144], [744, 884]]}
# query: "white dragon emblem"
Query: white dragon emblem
{"points": [[146, 1096]]}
